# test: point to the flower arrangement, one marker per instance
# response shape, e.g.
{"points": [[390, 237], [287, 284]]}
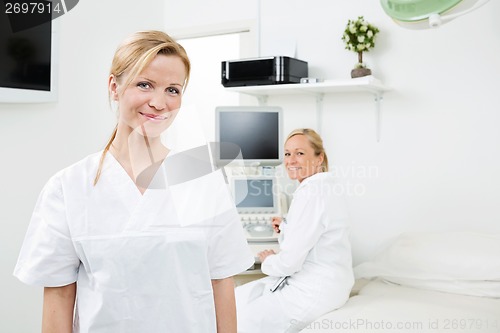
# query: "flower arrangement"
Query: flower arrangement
{"points": [[359, 36]]}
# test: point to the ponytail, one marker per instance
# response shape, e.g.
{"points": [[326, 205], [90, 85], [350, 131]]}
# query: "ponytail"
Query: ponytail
{"points": [[105, 151]]}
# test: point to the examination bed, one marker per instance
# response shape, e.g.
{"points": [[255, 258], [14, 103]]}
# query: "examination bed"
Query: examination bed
{"points": [[424, 282]]}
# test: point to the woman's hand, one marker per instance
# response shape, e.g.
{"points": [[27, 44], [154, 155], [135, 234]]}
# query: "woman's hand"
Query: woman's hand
{"points": [[276, 221], [264, 254]]}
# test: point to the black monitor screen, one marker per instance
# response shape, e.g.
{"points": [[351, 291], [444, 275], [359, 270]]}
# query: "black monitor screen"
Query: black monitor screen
{"points": [[253, 193], [256, 133], [25, 55]]}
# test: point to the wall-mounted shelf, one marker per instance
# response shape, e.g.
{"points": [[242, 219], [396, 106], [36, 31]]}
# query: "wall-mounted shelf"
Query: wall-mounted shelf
{"points": [[367, 84]]}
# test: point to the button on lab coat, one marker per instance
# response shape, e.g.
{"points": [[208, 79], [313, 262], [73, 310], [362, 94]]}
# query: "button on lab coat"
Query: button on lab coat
{"points": [[314, 251], [143, 263]]}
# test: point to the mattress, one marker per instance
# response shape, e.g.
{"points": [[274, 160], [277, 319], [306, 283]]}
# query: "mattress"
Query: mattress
{"points": [[386, 307]]}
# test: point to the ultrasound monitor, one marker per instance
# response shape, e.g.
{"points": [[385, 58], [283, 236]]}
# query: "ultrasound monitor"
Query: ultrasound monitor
{"points": [[255, 194], [249, 134]]}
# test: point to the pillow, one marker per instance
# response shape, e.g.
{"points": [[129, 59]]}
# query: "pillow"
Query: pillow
{"points": [[459, 262], [463, 287]]}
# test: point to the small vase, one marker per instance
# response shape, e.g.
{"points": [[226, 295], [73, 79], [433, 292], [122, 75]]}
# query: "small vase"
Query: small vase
{"points": [[359, 72]]}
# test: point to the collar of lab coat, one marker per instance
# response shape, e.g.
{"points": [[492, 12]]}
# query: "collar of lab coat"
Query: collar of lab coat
{"points": [[317, 176]]}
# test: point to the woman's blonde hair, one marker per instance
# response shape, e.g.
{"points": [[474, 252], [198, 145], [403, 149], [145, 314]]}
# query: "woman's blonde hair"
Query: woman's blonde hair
{"points": [[133, 55], [315, 141]]}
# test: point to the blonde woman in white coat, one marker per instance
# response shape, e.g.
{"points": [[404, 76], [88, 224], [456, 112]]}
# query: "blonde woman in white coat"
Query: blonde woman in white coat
{"points": [[314, 255], [114, 239]]}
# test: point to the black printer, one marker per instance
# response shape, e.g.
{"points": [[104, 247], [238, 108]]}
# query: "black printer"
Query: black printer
{"points": [[262, 71]]}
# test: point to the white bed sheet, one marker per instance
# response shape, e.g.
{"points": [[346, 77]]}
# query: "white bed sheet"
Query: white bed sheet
{"points": [[386, 307]]}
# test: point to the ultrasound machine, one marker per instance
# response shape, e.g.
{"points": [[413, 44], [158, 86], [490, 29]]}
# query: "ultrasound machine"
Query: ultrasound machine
{"points": [[257, 134], [258, 200]]}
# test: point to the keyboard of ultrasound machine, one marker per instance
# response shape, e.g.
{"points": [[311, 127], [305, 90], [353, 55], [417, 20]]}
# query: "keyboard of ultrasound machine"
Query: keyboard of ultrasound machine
{"points": [[260, 233], [258, 227]]}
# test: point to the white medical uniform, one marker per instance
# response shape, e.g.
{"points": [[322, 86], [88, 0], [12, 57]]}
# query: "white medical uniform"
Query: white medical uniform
{"points": [[143, 263], [316, 255]]}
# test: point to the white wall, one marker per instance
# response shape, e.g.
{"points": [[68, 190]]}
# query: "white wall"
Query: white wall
{"points": [[37, 140], [192, 15], [435, 167]]}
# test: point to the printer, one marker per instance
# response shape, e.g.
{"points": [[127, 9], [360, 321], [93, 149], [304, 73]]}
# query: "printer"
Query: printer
{"points": [[262, 71]]}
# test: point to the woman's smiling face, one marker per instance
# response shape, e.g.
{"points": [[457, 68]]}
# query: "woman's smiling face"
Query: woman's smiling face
{"points": [[152, 100], [300, 159]]}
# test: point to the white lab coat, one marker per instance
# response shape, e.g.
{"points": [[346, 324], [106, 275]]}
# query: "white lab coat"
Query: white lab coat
{"points": [[143, 263], [315, 252]]}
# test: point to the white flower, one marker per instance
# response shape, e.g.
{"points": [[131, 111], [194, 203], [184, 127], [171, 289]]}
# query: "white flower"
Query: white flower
{"points": [[359, 35]]}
